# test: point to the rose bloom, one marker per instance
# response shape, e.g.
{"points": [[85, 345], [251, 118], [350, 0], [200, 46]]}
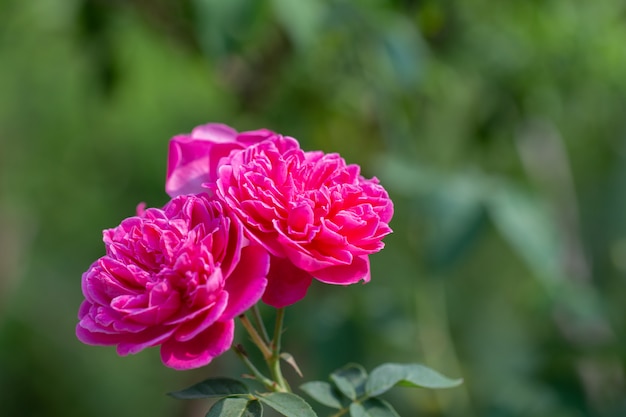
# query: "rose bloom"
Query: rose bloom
{"points": [[193, 158], [315, 214], [175, 277]]}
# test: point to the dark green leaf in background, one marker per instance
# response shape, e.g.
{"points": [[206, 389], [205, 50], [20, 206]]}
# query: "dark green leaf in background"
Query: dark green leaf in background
{"points": [[212, 387], [322, 392], [350, 380], [372, 407], [302, 20], [288, 404], [526, 223], [413, 375], [236, 407]]}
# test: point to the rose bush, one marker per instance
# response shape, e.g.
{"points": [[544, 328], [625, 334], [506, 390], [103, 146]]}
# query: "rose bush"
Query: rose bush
{"points": [[193, 158], [175, 277], [315, 214]]}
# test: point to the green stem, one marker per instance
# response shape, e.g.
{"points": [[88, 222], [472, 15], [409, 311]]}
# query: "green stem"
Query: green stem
{"points": [[258, 320], [274, 360], [278, 330], [270, 351], [256, 338], [269, 384]]}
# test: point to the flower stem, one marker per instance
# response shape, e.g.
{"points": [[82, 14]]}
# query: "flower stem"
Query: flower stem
{"points": [[258, 320], [278, 330], [256, 337], [241, 353], [274, 360], [270, 350]]}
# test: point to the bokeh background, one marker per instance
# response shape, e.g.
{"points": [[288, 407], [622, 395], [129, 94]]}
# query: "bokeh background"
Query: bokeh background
{"points": [[499, 129]]}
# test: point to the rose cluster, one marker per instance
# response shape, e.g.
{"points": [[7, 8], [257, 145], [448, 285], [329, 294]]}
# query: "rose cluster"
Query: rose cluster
{"points": [[251, 217]]}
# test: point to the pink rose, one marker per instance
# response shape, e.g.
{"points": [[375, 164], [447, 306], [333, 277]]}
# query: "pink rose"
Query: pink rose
{"points": [[193, 159], [315, 214], [175, 277]]}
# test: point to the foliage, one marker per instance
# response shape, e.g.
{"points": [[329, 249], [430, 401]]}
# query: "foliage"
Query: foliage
{"points": [[237, 400], [352, 391]]}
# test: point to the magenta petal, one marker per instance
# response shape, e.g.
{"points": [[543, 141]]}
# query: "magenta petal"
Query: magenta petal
{"points": [[247, 282], [136, 342], [255, 136], [95, 338], [187, 166], [215, 132], [313, 261], [358, 270], [192, 328], [192, 159], [88, 332], [286, 283], [98, 319], [200, 350], [152, 314]]}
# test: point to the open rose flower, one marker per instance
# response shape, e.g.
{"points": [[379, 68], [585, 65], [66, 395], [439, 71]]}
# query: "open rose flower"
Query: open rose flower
{"points": [[193, 158], [175, 277], [315, 214]]}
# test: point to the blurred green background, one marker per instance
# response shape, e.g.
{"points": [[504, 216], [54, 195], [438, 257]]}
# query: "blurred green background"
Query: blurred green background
{"points": [[499, 129]]}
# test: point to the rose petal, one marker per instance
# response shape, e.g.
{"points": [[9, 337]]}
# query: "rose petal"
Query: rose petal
{"points": [[193, 159], [200, 350], [358, 270], [286, 283], [248, 281], [214, 132]]}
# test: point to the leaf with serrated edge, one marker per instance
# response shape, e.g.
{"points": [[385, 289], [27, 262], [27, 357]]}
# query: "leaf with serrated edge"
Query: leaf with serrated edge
{"points": [[287, 357], [388, 375], [373, 407], [350, 380], [323, 393], [288, 404], [236, 407], [210, 388]]}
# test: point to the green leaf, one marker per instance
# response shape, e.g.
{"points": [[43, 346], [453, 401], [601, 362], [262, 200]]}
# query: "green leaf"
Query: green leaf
{"points": [[254, 409], [412, 375], [323, 393], [236, 407], [457, 218], [288, 404], [403, 48], [350, 380], [373, 407], [525, 222], [212, 387], [216, 17], [302, 20]]}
